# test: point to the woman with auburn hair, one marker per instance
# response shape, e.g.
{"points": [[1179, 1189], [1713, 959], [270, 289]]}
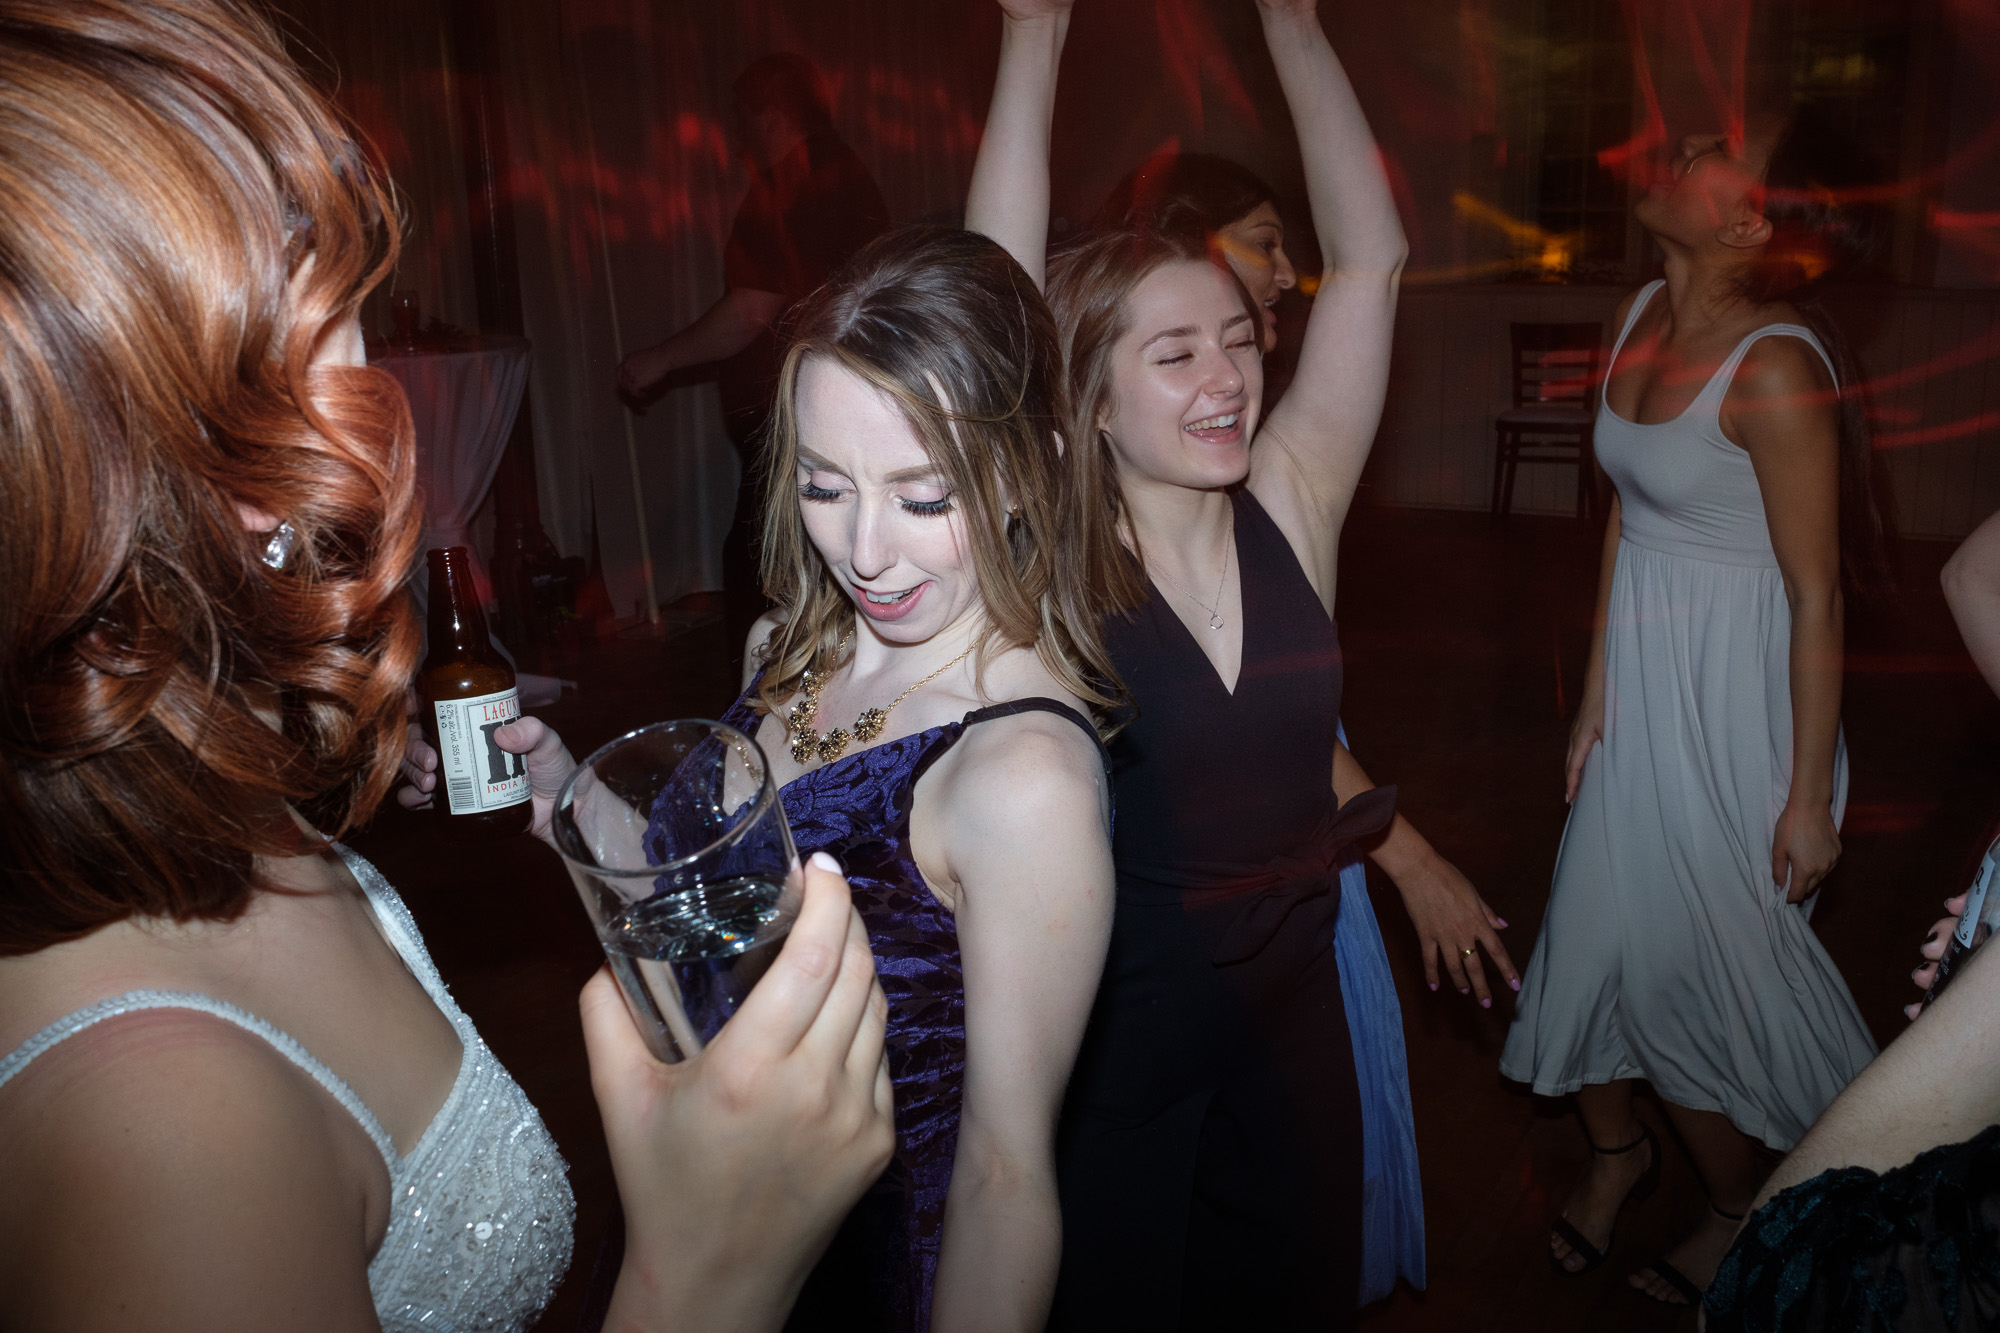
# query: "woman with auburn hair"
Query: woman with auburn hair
{"points": [[234, 1092], [1212, 1147], [922, 693]]}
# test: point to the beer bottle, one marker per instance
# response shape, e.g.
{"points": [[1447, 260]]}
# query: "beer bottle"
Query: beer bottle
{"points": [[468, 693]]}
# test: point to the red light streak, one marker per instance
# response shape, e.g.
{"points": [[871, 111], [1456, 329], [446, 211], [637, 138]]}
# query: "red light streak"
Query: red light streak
{"points": [[1194, 53]]}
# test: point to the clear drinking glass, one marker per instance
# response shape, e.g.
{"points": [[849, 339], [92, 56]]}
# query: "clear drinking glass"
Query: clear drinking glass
{"points": [[677, 841]]}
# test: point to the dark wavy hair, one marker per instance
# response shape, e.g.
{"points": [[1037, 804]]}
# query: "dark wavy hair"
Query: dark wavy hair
{"points": [[789, 82], [950, 328], [185, 218], [1820, 195], [1187, 197]]}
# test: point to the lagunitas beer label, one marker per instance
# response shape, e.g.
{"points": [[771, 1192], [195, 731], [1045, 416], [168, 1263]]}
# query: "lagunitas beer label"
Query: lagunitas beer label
{"points": [[468, 695], [474, 773]]}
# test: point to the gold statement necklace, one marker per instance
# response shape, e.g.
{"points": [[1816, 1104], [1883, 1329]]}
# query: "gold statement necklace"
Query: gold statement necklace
{"points": [[806, 743]]}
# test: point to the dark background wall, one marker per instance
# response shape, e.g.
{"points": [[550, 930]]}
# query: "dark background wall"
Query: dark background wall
{"points": [[1514, 131]]}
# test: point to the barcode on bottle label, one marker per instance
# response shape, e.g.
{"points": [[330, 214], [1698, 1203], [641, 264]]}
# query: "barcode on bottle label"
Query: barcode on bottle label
{"points": [[479, 775]]}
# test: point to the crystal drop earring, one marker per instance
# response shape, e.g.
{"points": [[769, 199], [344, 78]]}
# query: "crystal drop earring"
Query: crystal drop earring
{"points": [[278, 550]]}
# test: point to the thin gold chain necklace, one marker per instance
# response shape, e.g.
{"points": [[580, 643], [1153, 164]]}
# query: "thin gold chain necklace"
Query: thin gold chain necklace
{"points": [[1215, 620], [806, 743]]}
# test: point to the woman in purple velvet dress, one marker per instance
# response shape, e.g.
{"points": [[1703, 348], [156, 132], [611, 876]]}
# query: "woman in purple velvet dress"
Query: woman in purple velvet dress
{"points": [[923, 693]]}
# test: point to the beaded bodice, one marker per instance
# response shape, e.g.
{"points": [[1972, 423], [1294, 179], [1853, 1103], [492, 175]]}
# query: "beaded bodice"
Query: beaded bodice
{"points": [[481, 1213]]}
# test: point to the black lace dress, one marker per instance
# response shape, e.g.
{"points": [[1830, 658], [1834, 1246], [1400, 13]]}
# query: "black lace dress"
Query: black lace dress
{"points": [[1914, 1248]]}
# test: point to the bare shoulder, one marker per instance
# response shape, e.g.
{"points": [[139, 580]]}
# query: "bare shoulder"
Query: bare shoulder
{"points": [[172, 1162], [1624, 311], [1782, 363], [1021, 828], [1031, 767], [1027, 762], [1781, 397]]}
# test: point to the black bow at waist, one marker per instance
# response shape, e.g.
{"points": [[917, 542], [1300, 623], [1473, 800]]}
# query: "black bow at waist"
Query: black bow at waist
{"points": [[1267, 894]]}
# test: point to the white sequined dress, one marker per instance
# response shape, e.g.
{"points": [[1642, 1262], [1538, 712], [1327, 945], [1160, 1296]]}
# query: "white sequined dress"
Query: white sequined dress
{"points": [[481, 1212]]}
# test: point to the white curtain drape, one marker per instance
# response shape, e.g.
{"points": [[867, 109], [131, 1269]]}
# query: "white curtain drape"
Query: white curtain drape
{"points": [[623, 180], [624, 183]]}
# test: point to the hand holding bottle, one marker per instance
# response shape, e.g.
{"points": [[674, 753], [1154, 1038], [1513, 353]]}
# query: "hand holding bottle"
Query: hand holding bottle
{"points": [[467, 693], [548, 761], [1933, 949]]}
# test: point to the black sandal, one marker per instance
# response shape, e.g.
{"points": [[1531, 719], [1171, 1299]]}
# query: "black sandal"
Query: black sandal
{"points": [[1691, 1295], [1641, 1190]]}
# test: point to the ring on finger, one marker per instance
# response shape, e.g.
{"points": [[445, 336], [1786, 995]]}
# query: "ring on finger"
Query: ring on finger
{"points": [[1466, 953]]}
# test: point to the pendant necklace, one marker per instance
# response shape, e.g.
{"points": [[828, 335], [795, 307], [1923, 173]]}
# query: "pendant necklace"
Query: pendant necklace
{"points": [[1215, 620], [807, 743]]}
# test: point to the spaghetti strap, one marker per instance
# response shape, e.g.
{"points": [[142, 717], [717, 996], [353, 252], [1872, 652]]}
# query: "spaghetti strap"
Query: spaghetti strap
{"points": [[283, 1042], [1040, 704]]}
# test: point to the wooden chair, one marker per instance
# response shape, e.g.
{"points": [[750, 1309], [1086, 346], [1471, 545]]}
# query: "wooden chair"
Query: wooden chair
{"points": [[1556, 386]]}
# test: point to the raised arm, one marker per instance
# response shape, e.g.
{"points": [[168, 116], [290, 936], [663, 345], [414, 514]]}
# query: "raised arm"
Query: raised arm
{"points": [[1306, 471], [1029, 850], [1009, 198]]}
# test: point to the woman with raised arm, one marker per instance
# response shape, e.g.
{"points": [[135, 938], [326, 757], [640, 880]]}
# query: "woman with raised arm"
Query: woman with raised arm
{"points": [[234, 1091], [1706, 769], [1212, 1153], [1196, 199]]}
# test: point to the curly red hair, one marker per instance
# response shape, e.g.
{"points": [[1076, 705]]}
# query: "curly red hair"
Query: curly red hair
{"points": [[185, 220]]}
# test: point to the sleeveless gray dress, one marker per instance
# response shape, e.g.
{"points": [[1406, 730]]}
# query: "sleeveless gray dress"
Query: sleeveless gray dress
{"points": [[1667, 953]]}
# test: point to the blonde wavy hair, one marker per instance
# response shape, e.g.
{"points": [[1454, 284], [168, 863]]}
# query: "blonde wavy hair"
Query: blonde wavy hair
{"points": [[948, 326]]}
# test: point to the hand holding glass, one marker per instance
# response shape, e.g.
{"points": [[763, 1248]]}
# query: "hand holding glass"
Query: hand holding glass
{"points": [[677, 841]]}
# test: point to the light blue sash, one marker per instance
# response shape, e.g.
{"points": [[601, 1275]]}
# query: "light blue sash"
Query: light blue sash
{"points": [[1392, 1199]]}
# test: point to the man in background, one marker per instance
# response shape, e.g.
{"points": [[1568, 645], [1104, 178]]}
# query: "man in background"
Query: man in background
{"points": [[812, 204]]}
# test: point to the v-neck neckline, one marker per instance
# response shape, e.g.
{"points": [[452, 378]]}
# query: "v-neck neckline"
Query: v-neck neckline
{"points": [[1243, 587]]}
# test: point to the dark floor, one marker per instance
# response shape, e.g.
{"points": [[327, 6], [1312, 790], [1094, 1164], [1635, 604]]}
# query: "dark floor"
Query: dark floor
{"points": [[1465, 647]]}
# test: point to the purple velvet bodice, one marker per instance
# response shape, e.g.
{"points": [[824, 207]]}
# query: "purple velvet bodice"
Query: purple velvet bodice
{"points": [[857, 809], [881, 1269]]}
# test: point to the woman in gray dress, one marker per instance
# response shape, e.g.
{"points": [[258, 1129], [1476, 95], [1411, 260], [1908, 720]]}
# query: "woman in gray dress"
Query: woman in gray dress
{"points": [[1706, 769]]}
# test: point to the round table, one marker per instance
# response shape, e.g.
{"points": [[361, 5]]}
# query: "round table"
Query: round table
{"points": [[463, 402]]}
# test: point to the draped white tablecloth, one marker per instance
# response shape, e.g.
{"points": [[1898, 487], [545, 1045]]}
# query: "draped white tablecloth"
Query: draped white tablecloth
{"points": [[463, 403]]}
